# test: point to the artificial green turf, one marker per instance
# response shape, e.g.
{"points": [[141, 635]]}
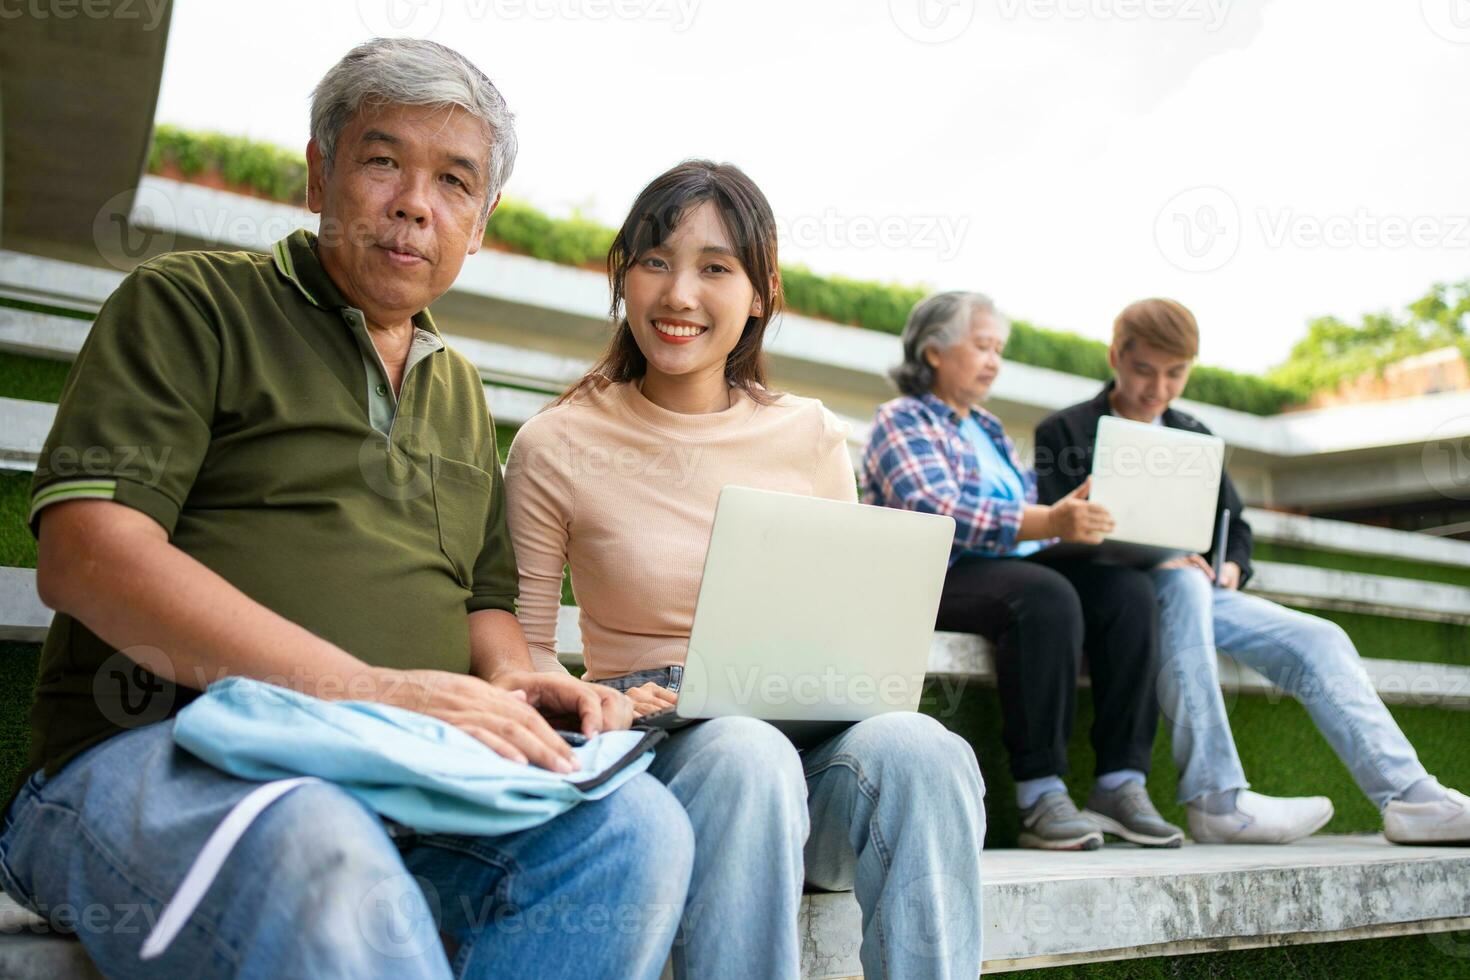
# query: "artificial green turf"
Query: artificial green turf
{"points": [[1386, 638], [32, 378], [20, 304], [1280, 749], [1442, 957], [504, 435], [17, 547], [1369, 564], [18, 663]]}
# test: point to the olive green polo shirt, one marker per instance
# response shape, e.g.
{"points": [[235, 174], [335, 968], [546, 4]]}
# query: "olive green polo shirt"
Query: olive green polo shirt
{"points": [[237, 399]]}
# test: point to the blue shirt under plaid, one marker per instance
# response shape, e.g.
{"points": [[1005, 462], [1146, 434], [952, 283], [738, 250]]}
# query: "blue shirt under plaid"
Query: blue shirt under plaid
{"points": [[918, 459]]}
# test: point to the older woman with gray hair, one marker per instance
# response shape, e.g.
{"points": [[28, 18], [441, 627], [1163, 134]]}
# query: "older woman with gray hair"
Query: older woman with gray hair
{"points": [[293, 533], [936, 450]]}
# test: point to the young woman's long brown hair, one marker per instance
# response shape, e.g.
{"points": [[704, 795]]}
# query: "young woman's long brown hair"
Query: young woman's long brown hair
{"points": [[750, 224]]}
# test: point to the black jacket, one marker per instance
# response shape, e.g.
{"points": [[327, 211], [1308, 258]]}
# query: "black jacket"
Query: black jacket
{"points": [[1064, 442]]}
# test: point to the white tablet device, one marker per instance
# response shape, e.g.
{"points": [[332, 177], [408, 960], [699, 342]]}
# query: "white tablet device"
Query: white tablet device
{"points": [[1161, 487]]}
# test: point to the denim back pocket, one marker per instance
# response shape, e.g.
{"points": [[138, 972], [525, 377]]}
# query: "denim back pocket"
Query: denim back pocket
{"points": [[462, 505]]}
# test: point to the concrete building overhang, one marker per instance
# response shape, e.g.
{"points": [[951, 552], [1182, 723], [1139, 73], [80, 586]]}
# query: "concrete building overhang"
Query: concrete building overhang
{"points": [[78, 89]]}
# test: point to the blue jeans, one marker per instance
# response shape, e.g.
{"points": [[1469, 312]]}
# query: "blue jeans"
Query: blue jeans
{"points": [[892, 808], [321, 886], [1310, 658]]}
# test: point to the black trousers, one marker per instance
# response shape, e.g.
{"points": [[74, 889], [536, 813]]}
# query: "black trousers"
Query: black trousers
{"points": [[1041, 617]]}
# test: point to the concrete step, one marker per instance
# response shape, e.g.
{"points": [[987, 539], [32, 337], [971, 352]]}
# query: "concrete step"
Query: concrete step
{"points": [[41, 334], [1359, 592], [965, 657], [24, 426], [23, 619], [53, 282], [1051, 909], [1319, 534]]}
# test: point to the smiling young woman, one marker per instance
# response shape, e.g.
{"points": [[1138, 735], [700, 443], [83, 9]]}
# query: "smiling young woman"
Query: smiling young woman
{"points": [[694, 285], [620, 480]]}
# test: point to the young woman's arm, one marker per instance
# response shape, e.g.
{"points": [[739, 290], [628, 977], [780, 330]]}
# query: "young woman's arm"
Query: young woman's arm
{"points": [[539, 514], [835, 478]]}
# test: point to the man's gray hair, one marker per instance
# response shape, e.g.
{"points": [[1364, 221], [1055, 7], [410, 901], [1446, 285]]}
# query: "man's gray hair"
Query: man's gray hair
{"points": [[938, 323], [413, 72]]}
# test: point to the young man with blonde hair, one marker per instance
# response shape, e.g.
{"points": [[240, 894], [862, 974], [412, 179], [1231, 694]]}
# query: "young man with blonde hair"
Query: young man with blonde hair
{"points": [[1155, 342]]}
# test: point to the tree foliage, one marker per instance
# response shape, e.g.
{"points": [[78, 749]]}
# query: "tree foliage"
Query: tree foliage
{"points": [[1334, 351]]}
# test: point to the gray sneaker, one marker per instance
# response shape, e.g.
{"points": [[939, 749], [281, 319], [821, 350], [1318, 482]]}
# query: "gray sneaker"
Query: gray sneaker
{"points": [[1052, 823], [1127, 812]]}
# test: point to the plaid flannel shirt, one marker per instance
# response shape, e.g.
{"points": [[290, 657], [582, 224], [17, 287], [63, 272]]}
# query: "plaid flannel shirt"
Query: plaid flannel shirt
{"points": [[918, 459]]}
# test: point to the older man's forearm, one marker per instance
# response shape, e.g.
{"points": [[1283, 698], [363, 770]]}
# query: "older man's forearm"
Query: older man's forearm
{"points": [[113, 569], [497, 644]]}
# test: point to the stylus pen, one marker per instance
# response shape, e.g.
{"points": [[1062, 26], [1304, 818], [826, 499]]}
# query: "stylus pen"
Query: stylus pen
{"points": [[1222, 538]]}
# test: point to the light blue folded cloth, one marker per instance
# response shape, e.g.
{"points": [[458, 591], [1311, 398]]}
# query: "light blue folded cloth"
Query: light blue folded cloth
{"points": [[420, 771]]}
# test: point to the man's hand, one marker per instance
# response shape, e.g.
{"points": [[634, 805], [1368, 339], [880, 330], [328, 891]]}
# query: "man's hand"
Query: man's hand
{"points": [[651, 697], [1230, 575], [598, 707], [501, 719], [1190, 561], [1075, 518]]}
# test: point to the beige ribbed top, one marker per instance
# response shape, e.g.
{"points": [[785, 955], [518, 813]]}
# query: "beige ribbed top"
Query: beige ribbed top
{"points": [[625, 492]]}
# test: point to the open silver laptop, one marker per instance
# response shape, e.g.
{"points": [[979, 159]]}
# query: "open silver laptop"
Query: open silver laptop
{"points": [[1161, 487], [812, 613]]}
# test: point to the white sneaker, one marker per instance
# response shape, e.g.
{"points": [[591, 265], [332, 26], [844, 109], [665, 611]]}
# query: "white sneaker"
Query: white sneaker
{"points": [[1261, 820], [1445, 821]]}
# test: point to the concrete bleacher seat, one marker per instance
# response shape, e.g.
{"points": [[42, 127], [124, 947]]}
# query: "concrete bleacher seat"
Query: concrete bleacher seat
{"points": [[23, 429], [41, 334], [1047, 909], [951, 655], [31, 950], [967, 657]]}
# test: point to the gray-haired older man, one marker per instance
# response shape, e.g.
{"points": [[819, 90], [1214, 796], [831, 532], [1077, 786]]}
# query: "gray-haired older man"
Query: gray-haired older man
{"points": [[325, 511]]}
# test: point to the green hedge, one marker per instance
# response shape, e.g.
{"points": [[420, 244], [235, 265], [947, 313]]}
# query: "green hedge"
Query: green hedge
{"points": [[569, 241], [269, 170], [872, 305], [281, 174]]}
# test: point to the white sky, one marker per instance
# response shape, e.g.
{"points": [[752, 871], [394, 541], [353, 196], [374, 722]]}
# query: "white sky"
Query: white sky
{"points": [[1045, 151]]}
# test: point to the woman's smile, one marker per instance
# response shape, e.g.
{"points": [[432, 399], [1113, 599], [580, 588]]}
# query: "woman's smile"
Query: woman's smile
{"points": [[673, 331]]}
